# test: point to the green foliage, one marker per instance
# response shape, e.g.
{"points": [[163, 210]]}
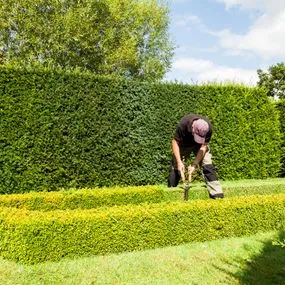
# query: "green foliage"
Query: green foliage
{"points": [[246, 132], [246, 138], [116, 196], [279, 243], [123, 37], [84, 198], [273, 80], [76, 130], [281, 108], [24, 235]]}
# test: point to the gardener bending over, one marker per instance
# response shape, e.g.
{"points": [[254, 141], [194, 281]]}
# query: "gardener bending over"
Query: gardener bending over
{"points": [[193, 134]]}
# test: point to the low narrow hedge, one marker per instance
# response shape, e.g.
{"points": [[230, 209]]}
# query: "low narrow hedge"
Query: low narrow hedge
{"points": [[108, 197], [84, 199], [199, 190], [34, 236]]}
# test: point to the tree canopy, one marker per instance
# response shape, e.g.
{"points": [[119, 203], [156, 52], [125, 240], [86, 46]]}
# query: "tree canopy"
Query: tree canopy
{"points": [[273, 80], [124, 37]]}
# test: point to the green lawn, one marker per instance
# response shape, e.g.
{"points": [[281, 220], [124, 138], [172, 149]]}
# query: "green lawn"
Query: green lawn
{"points": [[245, 260]]}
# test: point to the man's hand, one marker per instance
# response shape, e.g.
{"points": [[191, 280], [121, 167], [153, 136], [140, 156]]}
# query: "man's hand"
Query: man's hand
{"points": [[181, 168], [191, 169]]}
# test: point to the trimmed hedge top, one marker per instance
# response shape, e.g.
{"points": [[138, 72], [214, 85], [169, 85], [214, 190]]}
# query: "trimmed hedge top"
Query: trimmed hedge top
{"points": [[84, 198], [20, 216]]}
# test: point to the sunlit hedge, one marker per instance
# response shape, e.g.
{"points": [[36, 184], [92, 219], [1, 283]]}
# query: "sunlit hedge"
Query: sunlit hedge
{"points": [[117, 196], [35, 236], [83, 198]]}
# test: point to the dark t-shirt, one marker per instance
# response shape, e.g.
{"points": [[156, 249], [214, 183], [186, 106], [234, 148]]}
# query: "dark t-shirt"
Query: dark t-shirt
{"points": [[183, 133]]}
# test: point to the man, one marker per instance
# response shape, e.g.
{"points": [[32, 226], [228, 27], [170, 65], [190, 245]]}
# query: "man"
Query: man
{"points": [[193, 134]]}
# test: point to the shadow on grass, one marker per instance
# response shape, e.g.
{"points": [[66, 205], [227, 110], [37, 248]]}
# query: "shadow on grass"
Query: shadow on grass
{"points": [[265, 268]]}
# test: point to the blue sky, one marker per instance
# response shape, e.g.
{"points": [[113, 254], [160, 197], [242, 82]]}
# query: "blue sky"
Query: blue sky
{"points": [[225, 40]]}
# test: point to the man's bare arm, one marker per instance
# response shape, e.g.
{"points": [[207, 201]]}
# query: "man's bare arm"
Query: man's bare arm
{"points": [[176, 153], [200, 154]]}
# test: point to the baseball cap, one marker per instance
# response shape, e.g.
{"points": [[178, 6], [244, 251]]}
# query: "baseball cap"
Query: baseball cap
{"points": [[200, 130]]}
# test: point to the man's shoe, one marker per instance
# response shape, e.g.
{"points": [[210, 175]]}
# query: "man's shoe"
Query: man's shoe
{"points": [[215, 196]]}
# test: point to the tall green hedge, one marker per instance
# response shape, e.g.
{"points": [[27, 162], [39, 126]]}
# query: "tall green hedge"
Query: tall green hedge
{"points": [[281, 108], [68, 129]]}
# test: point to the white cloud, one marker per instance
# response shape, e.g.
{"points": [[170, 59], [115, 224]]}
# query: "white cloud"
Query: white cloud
{"points": [[191, 69], [244, 4], [173, 2], [265, 6], [192, 65], [185, 20], [228, 74], [265, 37]]}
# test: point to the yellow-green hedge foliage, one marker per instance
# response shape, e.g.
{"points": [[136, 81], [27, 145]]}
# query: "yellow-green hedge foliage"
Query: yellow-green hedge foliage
{"points": [[84, 199], [35, 236]]}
